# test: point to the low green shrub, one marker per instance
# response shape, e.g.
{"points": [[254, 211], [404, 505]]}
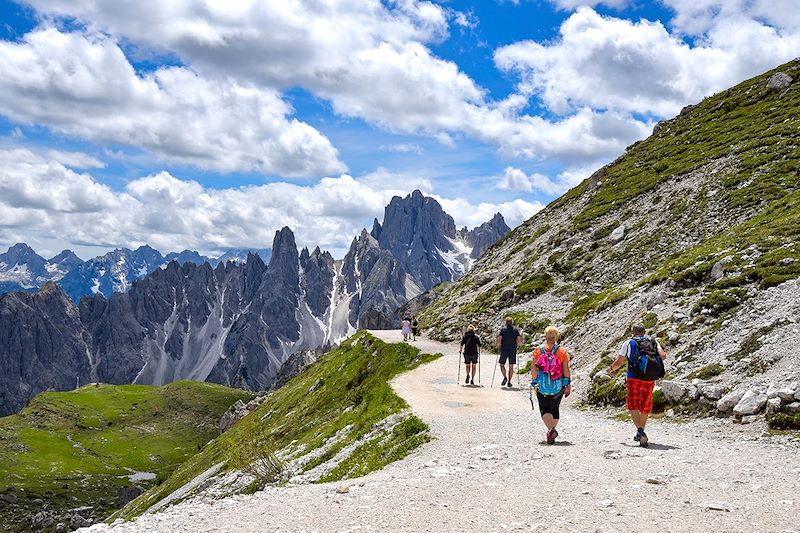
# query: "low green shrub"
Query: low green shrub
{"points": [[707, 372]]}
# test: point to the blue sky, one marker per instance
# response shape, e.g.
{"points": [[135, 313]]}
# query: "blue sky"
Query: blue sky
{"points": [[182, 126]]}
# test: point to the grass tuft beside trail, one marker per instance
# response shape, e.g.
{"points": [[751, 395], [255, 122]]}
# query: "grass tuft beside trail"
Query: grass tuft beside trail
{"points": [[348, 386]]}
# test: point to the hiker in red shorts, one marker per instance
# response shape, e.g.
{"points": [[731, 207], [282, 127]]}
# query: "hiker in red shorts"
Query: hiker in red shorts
{"points": [[645, 358]]}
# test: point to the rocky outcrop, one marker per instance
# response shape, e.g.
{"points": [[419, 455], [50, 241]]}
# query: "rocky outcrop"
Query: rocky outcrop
{"points": [[416, 231], [41, 346], [317, 281], [779, 81], [485, 235]]}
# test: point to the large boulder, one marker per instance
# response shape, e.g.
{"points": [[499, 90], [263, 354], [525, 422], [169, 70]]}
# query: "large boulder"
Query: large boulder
{"points": [[787, 392], [713, 392], [773, 405], [482, 278], [674, 391], [751, 403], [618, 234], [729, 401], [653, 299], [779, 81], [234, 413]]}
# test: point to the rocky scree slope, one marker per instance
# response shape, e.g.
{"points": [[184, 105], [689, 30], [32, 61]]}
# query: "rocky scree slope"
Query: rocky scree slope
{"points": [[694, 231], [337, 420], [73, 458]]}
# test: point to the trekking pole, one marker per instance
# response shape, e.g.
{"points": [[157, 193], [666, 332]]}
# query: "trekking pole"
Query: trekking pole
{"points": [[479, 366], [493, 373], [458, 360], [530, 395]]}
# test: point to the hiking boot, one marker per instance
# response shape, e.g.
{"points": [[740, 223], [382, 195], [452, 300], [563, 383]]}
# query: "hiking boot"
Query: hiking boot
{"points": [[551, 436], [503, 384], [472, 380], [467, 381], [637, 437], [509, 384], [643, 440]]}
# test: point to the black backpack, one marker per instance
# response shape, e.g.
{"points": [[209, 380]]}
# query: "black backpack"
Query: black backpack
{"points": [[647, 363]]}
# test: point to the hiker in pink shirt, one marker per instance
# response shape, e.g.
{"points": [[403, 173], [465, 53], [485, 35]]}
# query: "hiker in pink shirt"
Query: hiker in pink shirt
{"points": [[550, 377]]}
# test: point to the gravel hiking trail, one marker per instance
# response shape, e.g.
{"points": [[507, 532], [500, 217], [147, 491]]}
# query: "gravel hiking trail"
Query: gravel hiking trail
{"points": [[489, 469]]}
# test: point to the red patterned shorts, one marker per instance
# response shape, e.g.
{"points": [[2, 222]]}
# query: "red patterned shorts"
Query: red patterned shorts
{"points": [[640, 395]]}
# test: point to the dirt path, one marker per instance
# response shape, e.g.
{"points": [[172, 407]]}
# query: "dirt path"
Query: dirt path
{"points": [[488, 469]]}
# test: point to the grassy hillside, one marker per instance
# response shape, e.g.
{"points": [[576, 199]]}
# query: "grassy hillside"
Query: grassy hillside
{"points": [[70, 449], [342, 402], [718, 185]]}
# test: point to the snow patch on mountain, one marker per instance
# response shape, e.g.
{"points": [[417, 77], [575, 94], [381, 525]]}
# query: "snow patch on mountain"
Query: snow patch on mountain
{"points": [[458, 259]]}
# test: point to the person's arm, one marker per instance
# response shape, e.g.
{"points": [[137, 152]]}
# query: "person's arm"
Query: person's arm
{"points": [[519, 339], [499, 341], [567, 373], [534, 369], [461, 347], [661, 351], [617, 364]]}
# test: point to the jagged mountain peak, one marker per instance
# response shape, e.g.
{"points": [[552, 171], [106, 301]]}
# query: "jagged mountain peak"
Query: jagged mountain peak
{"points": [[64, 256], [376, 229]]}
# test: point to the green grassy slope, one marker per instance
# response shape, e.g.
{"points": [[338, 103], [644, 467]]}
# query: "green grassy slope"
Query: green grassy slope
{"points": [[76, 448], [750, 132], [718, 184], [352, 390]]}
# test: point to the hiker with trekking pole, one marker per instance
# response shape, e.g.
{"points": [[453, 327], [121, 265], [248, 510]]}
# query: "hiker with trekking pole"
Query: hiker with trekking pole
{"points": [[550, 378], [470, 347], [508, 341], [645, 361]]}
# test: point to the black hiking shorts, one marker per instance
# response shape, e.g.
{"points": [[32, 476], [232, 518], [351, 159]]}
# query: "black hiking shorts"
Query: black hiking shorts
{"points": [[509, 356], [470, 359], [549, 403]]}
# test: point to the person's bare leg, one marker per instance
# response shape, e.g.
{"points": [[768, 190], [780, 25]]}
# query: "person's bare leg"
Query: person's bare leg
{"points": [[636, 416], [510, 372], [549, 421], [503, 369], [474, 366], [643, 419]]}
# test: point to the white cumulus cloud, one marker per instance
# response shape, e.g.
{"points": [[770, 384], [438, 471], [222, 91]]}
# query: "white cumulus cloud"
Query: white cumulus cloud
{"points": [[173, 214], [83, 85], [640, 67]]}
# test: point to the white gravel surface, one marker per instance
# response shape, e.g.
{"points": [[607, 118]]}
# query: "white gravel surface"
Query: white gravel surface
{"points": [[488, 469]]}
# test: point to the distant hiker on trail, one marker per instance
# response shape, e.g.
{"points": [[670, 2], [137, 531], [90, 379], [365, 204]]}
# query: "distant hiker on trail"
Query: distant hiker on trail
{"points": [[406, 328], [645, 358], [470, 347], [414, 327], [507, 342], [550, 377]]}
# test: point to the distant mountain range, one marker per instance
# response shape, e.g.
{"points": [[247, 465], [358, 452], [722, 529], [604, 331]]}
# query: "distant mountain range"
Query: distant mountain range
{"points": [[22, 269], [234, 323]]}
